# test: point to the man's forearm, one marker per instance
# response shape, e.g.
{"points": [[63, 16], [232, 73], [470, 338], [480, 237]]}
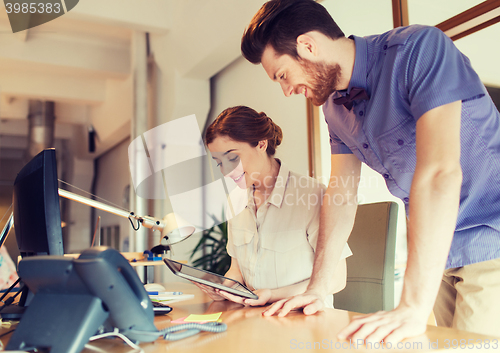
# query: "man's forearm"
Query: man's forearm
{"points": [[434, 202], [336, 223]]}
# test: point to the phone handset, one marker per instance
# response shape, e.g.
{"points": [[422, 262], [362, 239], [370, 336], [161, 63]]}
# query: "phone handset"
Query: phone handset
{"points": [[108, 275]]}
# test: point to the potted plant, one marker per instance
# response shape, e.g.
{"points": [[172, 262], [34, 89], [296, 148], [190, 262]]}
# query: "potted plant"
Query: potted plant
{"points": [[213, 244]]}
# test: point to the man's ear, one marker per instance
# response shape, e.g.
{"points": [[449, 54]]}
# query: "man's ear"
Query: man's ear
{"points": [[307, 47]]}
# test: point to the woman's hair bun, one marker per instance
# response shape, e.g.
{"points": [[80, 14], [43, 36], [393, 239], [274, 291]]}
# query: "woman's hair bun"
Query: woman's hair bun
{"points": [[244, 124]]}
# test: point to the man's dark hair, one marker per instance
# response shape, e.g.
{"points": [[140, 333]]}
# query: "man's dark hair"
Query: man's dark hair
{"points": [[280, 22]]}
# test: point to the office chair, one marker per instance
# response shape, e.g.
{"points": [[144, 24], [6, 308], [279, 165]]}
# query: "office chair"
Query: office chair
{"points": [[370, 270]]}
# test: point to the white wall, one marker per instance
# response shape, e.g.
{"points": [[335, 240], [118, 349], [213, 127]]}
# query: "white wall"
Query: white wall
{"points": [[113, 179], [78, 222]]}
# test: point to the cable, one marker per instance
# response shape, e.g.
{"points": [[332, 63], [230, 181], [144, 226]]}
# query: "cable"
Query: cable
{"points": [[5, 214], [190, 329], [132, 223], [15, 295], [187, 330], [119, 335], [96, 231], [6, 333], [10, 288], [97, 197], [11, 299]]}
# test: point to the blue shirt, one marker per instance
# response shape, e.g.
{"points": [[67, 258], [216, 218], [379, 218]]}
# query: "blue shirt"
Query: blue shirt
{"points": [[407, 72]]}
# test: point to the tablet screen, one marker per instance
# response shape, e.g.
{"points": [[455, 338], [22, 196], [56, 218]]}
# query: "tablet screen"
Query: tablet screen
{"points": [[210, 279]]}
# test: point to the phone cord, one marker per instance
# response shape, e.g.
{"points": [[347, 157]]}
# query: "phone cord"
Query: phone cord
{"points": [[190, 329]]}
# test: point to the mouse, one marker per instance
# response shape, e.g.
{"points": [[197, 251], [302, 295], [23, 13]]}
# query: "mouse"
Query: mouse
{"points": [[154, 287]]}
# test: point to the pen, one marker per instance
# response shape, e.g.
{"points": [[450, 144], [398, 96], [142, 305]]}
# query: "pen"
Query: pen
{"points": [[164, 293]]}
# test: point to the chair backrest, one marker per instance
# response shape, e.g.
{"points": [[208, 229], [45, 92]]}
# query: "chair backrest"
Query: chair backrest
{"points": [[370, 270]]}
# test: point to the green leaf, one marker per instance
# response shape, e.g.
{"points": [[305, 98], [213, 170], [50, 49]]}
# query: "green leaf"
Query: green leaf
{"points": [[213, 242]]}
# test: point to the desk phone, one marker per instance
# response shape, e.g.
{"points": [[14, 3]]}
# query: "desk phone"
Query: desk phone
{"points": [[76, 298]]}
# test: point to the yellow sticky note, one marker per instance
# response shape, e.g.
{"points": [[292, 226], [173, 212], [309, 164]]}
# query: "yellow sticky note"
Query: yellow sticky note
{"points": [[203, 318]]}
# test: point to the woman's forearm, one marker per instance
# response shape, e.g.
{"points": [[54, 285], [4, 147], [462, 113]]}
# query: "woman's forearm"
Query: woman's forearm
{"points": [[288, 291], [234, 271]]}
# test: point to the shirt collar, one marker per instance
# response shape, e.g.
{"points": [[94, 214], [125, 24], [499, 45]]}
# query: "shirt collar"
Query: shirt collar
{"points": [[250, 203], [278, 193], [359, 72]]}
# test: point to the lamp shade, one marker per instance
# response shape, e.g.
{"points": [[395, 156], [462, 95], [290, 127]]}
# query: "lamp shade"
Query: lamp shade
{"points": [[176, 229]]}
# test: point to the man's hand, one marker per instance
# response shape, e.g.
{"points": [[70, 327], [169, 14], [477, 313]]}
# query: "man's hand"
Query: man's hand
{"points": [[388, 326], [311, 303]]}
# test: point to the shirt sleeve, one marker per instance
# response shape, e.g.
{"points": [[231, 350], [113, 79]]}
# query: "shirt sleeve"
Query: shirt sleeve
{"points": [[337, 146], [437, 73]]}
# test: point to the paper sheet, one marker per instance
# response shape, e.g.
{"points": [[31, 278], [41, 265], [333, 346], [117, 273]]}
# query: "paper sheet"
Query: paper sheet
{"points": [[200, 319], [204, 317]]}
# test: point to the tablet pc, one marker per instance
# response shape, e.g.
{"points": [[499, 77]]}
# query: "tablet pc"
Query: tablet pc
{"points": [[210, 279]]}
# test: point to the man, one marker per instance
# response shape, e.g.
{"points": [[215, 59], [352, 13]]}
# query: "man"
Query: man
{"points": [[409, 105]]}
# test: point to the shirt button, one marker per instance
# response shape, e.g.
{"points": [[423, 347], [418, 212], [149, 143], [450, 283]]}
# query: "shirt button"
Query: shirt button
{"points": [[361, 113], [386, 176], [400, 142], [385, 47], [406, 199], [365, 145]]}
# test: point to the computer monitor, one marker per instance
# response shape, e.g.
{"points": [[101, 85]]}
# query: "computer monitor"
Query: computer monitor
{"points": [[37, 217]]}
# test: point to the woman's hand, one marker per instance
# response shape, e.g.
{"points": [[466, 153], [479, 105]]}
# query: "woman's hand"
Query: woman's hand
{"points": [[264, 298], [220, 295], [213, 293], [263, 294], [310, 301]]}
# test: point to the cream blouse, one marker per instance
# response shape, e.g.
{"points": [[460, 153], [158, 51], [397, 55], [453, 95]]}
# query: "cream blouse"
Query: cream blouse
{"points": [[275, 246]]}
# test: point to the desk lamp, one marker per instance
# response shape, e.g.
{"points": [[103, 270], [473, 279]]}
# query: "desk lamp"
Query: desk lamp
{"points": [[172, 227]]}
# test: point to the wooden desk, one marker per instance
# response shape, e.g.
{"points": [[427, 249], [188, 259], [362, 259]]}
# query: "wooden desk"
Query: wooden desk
{"points": [[249, 331]]}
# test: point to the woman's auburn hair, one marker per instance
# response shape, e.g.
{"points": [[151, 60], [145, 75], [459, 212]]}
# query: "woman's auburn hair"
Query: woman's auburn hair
{"points": [[244, 124]]}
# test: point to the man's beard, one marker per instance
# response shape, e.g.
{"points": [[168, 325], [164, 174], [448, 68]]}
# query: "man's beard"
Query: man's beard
{"points": [[323, 79]]}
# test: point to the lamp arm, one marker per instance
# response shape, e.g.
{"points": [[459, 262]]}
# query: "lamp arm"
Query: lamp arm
{"points": [[146, 221], [7, 228]]}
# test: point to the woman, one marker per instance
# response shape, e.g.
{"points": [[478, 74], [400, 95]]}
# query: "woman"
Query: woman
{"points": [[271, 241]]}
